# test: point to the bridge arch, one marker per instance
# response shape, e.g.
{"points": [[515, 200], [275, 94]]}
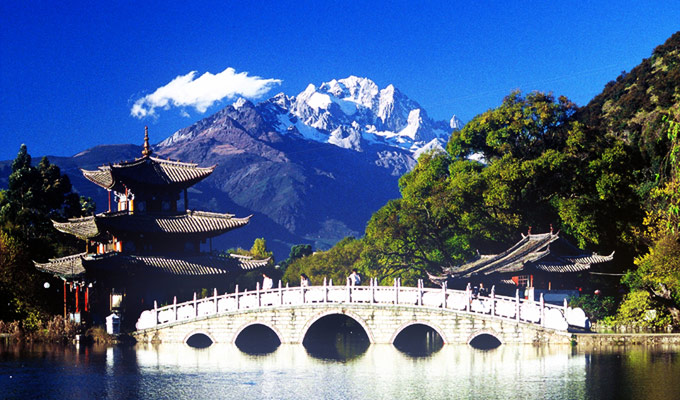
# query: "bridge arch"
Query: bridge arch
{"points": [[198, 332], [485, 333], [419, 322], [337, 311], [252, 323]]}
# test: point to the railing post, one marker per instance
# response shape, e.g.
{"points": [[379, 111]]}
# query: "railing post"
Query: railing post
{"points": [[174, 306], [517, 304], [542, 310], [468, 297], [444, 295], [396, 290], [258, 294], [374, 283], [155, 313], [238, 306], [195, 306], [325, 291], [302, 294], [348, 299], [215, 297], [280, 294], [420, 292], [493, 301]]}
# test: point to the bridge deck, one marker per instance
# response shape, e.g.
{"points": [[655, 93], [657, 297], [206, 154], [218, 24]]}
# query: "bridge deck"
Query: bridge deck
{"points": [[460, 301]]}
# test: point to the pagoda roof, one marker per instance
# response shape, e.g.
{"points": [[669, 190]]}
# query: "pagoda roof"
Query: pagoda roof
{"points": [[180, 265], [69, 267], [545, 252], [147, 171], [189, 222]]}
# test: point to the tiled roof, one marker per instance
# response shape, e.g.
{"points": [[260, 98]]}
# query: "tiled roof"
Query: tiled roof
{"points": [[147, 171], [544, 252], [83, 228], [184, 265], [68, 267], [198, 222]]}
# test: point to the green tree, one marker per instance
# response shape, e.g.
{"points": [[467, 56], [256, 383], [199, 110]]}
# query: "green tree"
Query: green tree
{"points": [[335, 264], [35, 196], [259, 250], [655, 284], [527, 163]]}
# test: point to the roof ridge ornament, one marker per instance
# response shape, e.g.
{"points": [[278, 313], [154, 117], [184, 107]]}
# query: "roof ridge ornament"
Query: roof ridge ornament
{"points": [[147, 150]]}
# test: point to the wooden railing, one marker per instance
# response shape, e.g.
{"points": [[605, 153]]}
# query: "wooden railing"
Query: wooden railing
{"points": [[461, 301]]}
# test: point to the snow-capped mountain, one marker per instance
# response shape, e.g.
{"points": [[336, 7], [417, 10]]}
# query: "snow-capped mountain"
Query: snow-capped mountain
{"points": [[351, 113]]}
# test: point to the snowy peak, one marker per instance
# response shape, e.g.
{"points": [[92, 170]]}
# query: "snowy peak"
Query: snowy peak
{"points": [[349, 111]]}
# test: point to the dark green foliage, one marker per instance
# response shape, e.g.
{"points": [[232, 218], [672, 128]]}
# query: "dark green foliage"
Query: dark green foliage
{"points": [[596, 307], [335, 264], [35, 196], [297, 251]]}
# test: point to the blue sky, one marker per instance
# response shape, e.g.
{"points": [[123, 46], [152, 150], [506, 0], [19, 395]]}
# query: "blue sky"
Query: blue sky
{"points": [[71, 72]]}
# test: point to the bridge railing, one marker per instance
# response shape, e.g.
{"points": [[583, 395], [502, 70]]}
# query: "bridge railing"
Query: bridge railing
{"points": [[462, 301]]}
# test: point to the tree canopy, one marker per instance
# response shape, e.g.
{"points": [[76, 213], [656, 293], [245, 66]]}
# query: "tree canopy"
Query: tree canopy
{"points": [[35, 196]]}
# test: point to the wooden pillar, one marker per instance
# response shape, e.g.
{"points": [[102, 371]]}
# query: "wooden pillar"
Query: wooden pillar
{"points": [[87, 295], [77, 304], [109, 193], [186, 201], [65, 313]]}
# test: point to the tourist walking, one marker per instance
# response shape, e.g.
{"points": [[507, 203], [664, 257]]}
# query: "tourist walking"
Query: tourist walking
{"points": [[267, 282], [354, 278]]}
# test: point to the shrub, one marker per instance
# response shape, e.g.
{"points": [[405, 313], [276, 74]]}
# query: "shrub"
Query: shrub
{"points": [[596, 307]]}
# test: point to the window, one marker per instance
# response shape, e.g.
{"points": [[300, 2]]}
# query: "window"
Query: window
{"points": [[523, 281]]}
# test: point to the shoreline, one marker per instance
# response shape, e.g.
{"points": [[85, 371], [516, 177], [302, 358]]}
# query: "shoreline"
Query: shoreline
{"points": [[619, 339]]}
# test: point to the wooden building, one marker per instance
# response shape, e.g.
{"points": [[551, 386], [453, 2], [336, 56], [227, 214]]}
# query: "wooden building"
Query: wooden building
{"points": [[545, 263], [146, 247]]}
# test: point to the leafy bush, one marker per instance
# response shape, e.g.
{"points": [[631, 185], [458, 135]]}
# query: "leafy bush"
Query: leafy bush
{"points": [[639, 310], [595, 307]]}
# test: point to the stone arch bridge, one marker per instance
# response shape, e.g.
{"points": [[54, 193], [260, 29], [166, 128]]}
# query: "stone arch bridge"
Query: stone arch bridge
{"points": [[383, 312]]}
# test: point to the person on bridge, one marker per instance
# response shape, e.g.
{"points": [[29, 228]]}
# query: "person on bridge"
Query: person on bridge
{"points": [[354, 278], [304, 281], [267, 282]]}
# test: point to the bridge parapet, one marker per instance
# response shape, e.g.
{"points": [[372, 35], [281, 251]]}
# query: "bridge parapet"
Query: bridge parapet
{"points": [[460, 301]]}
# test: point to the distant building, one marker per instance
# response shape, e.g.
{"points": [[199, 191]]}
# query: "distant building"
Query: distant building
{"points": [[539, 263], [144, 248]]}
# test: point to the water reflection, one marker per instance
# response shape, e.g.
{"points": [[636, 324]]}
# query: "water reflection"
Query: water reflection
{"points": [[380, 371]]}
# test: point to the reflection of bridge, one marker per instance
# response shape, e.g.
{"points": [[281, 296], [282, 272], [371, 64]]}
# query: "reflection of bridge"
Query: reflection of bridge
{"points": [[383, 312]]}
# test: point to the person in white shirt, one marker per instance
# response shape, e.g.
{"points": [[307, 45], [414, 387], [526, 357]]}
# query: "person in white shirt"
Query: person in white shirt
{"points": [[304, 281], [267, 282], [354, 278]]}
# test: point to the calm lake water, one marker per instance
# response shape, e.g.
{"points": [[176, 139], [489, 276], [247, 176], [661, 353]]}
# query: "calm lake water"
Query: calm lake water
{"points": [[223, 371]]}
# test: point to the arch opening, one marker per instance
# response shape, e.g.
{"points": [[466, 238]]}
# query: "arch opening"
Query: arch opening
{"points": [[485, 341], [418, 340], [336, 337], [257, 339], [199, 341]]}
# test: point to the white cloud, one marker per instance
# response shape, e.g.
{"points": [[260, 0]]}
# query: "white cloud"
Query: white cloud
{"points": [[202, 92]]}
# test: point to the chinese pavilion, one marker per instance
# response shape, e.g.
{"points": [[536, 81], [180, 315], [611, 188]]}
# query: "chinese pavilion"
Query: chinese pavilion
{"points": [[543, 262], [145, 248]]}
